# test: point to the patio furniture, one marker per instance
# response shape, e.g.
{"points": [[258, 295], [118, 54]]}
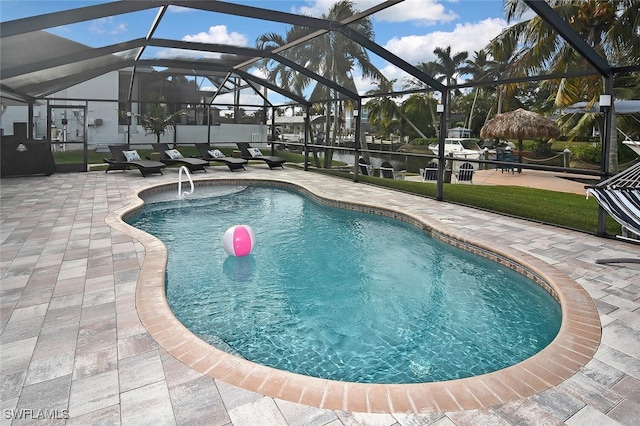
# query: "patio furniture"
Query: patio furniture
{"points": [[388, 172], [171, 157], [366, 169], [430, 172], [620, 197], [209, 153], [506, 155], [123, 159], [465, 173], [249, 153]]}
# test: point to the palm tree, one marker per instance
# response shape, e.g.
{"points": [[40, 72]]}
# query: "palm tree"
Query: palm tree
{"points": [[611, 28], [416, 109], [446, 69], [382, 114], [276, 71], [449, 68], [480, 67], [382, 109], [429, 68], [332, 56]]}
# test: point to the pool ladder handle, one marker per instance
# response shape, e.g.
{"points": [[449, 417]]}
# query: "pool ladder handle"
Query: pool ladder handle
{"points": [[186, 171]]}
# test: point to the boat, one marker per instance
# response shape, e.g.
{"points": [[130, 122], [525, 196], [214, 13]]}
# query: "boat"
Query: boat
{"points": [[634, 145], [460, 148], [460, 144]]}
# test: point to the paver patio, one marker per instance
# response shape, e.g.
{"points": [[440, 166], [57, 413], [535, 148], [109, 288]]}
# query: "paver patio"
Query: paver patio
{"points": [[73, 346]]}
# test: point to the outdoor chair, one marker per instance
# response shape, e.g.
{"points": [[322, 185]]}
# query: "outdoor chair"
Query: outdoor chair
{"points": [[366, 169], [122, 159], [619, 196], [249, 153], [465, 173], [430, 172], [387, 171], [171, 157], [208, 153], [506, 155]]}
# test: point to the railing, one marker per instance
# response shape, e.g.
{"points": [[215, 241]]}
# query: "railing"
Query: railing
{"points": [[184, 170]]}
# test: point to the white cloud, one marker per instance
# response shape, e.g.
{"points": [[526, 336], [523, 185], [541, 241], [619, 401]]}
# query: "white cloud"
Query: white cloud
{"points": [[423, 12], [315, 8], [259, 72], [391, 72], [467, 37], [218, 34], [179, 9], [107, 26], [246, 98]]}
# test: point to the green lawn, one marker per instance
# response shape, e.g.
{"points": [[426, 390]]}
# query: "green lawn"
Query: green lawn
{"points": [[572, 211]]}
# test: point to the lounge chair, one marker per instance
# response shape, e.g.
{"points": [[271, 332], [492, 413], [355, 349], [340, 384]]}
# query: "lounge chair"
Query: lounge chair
{"points": [[122, 159], [208, 153], [249, 153], [171, 157], [387, 171], [430, 172], [620, 197], [366, 169], [465, 173]]}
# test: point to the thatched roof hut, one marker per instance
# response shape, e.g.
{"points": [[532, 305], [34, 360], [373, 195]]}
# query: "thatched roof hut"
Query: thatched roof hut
{"points": [[520, 124]]}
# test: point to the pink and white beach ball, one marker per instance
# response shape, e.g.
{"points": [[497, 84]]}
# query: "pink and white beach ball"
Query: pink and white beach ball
{"points": [[239, 240]]}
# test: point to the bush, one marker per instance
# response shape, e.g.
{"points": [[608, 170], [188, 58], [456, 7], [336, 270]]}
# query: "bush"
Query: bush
{"points": [[587, 153]]}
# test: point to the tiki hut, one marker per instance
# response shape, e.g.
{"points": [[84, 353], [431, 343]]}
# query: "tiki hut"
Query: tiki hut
{"points": [[519, 124]]}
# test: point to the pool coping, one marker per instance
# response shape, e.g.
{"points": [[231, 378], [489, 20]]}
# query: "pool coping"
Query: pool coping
{"points": [[575, 344]]}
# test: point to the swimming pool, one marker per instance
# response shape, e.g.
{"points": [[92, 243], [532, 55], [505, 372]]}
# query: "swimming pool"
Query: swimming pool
{"points": [[407, 314]]}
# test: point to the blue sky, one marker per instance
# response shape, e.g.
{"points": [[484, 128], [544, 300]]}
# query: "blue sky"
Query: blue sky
{"points": [[411, 29]]}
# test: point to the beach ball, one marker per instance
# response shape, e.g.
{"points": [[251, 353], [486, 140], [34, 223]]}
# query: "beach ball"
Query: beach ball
{"points": [[239, 240]]}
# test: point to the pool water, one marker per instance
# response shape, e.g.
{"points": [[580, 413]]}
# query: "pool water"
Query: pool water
{"points": [[343, 295]]}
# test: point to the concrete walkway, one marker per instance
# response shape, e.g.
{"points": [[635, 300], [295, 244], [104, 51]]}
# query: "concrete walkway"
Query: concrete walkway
{"points": [[553, 181], [73, 347]]}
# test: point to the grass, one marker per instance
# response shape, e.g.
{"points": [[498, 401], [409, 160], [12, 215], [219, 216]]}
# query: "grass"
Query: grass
{"points": [[567, 210], [556, 208]]}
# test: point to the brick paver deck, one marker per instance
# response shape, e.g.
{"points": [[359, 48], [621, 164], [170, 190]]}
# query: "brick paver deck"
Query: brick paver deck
{"points": [[83, 337]]}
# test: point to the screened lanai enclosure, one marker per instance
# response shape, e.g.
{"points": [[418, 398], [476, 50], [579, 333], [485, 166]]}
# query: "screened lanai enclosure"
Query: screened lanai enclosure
{"points": [[74, 95]]}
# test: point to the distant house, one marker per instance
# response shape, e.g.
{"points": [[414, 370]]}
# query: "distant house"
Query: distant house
{"points": [[96, 111], [292, 128]]}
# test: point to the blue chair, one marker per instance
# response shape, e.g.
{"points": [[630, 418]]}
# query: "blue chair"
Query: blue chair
{"points": [[506, 155]]}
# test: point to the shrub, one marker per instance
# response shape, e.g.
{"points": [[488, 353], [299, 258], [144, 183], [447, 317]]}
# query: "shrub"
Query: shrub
{"points": [[587, 153]]}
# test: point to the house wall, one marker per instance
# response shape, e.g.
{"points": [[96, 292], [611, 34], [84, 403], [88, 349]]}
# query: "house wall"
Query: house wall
{"points": [[109, 131]]}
